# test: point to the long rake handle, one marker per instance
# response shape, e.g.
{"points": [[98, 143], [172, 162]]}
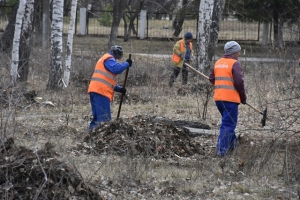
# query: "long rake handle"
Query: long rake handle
{"points": [[203, 75], [254, 108], [196, 71], [121, 101]]}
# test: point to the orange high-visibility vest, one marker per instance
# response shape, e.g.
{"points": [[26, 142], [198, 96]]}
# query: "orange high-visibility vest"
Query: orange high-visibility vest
{"points": [[224, 84], [175, 57], [103, 82]]}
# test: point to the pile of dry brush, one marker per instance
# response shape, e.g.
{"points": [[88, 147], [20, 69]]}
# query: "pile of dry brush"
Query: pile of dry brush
{"points": [[38, 174], [144, 136], [28, 174]]}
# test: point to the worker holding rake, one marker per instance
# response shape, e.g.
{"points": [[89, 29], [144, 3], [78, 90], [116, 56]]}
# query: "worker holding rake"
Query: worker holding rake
{"points": [[182, 52], [229, 92], [104, 83]]}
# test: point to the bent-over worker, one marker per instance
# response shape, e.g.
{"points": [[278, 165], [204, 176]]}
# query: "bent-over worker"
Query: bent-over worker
{"points": [[104, 83]]}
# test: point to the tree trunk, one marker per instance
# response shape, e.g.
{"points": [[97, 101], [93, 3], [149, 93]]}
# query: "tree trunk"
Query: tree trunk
{"points": [[214, 28], [8, 35], [55, 72], [118, 8], [38, 23], [179, 19], [70, 43], [126, 31], [16, 42], [25, 42], [131, 15], [46, 24], [205, 20], [277, 25]]}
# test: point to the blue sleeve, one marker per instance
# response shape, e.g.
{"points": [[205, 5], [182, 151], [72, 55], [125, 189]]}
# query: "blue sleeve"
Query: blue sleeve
{"points": [[187, 55], [117, 88], [114, 67]]}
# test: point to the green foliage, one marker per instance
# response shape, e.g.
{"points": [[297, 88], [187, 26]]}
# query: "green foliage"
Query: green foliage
{"points": [[8, 10], [12, 2], [105, 18], [263, 10]]}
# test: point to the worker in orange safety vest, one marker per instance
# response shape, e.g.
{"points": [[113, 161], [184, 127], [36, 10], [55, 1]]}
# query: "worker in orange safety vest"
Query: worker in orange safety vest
{"points": [[182, 52], [229, 92], [103, 84]]}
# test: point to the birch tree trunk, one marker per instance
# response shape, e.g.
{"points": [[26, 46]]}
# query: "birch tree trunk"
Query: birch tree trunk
{"points": [[205, 18], [16, 42], [25, 42], [214, 28], [55, 72], [70, 43], [118, 9]]}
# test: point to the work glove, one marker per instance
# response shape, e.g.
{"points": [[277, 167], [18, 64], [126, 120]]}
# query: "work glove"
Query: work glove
{"points": [[129, 62], [181, 56], [244, 102], [123, 90]]}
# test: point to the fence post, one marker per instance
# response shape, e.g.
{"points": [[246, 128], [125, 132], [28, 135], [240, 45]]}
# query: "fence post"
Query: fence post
{"points": [[82, 21], [143, 23], [89, 7], [265, 34]]}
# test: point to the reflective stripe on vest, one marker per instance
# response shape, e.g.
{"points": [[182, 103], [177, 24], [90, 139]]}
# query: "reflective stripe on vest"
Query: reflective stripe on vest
{"points": [[103, 82], [106, 74], [224, 86], [224, 83]]}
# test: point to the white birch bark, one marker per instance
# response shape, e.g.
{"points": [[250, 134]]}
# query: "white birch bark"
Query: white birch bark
{"points": [[25, 41], [16, 42], [70, 43], [205, 19], [55, 72], [27, 22], [214, 29]]}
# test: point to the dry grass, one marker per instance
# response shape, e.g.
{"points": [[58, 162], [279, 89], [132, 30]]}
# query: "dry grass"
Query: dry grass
{"points": [[265, 166]]}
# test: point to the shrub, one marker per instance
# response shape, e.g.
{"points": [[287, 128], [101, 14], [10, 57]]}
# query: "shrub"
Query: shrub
{"points": [[105, 18]]}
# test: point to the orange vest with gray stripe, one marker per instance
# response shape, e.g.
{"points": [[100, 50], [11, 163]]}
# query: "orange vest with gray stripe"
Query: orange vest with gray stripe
{"points": [[224, 85], [103, 82]]}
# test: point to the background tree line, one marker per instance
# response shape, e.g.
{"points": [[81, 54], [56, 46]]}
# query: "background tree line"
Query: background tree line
{"points": [[45, 20]]}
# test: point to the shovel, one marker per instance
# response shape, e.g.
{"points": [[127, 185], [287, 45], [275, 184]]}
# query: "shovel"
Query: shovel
{"points": [[121, 101], [263, 113]]}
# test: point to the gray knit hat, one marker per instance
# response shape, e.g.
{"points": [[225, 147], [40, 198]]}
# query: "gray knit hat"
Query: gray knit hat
{"points": [[231, 47]]}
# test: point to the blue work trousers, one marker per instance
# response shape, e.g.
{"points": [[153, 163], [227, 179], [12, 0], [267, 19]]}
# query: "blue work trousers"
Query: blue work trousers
{"points": [[227, 139], [100, 109]]}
